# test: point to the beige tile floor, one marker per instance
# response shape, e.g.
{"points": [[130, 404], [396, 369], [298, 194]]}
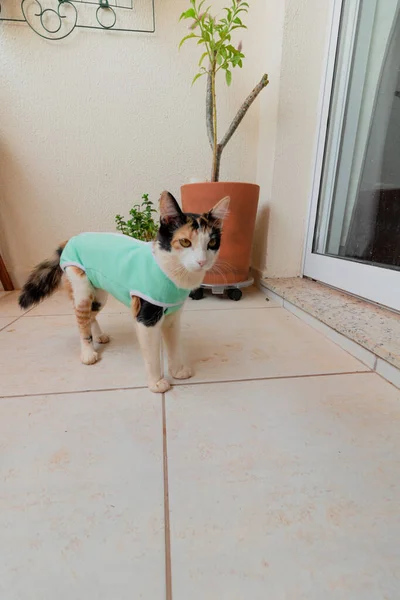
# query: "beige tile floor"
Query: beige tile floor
{"points": [[273, 473]]}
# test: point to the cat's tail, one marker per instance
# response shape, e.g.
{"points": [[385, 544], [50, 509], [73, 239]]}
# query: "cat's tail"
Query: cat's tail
{"points": [[43, 281]]}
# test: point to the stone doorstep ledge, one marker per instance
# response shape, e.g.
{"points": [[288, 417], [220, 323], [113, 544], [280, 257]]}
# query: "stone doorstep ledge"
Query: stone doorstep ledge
{"points": [[373, 327]]}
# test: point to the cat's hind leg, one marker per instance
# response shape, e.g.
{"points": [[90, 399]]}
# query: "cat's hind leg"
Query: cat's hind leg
{"points": [[83, 297], [97, 305]]}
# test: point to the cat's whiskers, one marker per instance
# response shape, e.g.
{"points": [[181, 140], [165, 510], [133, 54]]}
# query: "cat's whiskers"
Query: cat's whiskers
{"points": [[222, 268], [218, 271], [223, 265]]}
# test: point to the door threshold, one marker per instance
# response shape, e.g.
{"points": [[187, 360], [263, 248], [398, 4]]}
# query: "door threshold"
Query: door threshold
{"points": [[369, 332]]}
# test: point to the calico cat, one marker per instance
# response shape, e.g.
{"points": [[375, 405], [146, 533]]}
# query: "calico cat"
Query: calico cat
{"points": [[153, 278]]}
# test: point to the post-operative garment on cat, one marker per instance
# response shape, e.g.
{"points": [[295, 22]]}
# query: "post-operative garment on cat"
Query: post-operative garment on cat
{"points": [[124, 267]]}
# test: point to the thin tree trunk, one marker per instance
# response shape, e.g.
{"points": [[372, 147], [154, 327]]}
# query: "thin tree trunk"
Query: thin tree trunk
{"points": [[214, 174], [217, 163], [209, 111]]}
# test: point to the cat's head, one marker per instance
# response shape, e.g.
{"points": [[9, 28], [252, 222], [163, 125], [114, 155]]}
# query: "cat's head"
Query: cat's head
{"points": [[193, 239]]}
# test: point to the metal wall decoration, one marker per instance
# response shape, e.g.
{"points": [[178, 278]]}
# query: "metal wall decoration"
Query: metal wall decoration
{"points": [[57, 19]]}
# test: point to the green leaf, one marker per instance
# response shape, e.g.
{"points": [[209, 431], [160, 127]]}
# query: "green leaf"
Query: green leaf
{"points": [[237, 21], [188, 14], [219, 59], [196, 77], [202, 58], [228, 77], [187, 37]]}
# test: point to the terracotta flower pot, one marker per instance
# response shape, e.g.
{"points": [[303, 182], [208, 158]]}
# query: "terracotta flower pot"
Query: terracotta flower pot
{"points": [[234, 258]]}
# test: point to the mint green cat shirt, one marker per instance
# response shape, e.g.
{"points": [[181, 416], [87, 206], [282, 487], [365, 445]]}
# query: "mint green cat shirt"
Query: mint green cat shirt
{"points": [[124, 267]]}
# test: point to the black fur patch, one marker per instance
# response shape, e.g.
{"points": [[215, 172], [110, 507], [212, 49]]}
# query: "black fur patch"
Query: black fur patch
{"points": [[196, 221], [215, 235], [96, 306], [168, 228], [166, 231], [149, 314], [193, 219]]}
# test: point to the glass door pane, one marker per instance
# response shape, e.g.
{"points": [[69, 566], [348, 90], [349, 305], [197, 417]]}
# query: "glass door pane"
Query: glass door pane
{"points": [[359, 205]]}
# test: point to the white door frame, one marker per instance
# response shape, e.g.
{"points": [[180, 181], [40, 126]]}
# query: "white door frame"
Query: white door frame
{"points": [[378, 284]]}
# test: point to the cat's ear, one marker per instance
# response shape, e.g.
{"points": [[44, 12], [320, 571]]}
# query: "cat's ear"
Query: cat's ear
{"points": [[169, 208], [221, 209]]}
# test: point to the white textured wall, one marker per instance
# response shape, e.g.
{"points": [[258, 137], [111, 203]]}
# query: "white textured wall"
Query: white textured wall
{"points": [[270, 39], [303, 63], [90, 123]]}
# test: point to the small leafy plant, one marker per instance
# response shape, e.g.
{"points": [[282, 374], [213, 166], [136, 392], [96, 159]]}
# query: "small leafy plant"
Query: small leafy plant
{"points": [[215, 37], [142, 225]]}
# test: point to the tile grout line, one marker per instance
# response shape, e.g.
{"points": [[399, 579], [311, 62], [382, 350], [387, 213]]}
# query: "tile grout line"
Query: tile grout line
{"points": [[167, 529], [70, 314], [236, 308], [126, 313], [387, 380], [193, 383], [273, 378], [94, 390], [15, 319]]}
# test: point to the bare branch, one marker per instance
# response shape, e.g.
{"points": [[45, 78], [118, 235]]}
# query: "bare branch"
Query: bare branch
{"points": [[243, 110], [209, 111]]}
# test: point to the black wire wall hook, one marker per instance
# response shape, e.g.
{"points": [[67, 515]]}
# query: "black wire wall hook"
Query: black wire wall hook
{"points": [[57, 19]]}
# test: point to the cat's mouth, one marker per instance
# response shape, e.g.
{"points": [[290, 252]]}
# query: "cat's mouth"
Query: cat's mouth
{"points": [[200, 268]]}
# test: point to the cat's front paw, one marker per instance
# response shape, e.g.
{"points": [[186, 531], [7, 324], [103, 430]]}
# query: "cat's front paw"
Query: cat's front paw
{"points": [[89, 356], [102, 339], [182, 372], [161, 386]]}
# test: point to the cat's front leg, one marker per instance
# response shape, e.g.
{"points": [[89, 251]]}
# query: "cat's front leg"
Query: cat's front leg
{"points": [[171, 333], [148, 326]]}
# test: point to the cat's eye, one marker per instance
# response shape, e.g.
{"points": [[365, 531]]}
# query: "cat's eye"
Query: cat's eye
{"points": [[212, 243], [185, 243]]}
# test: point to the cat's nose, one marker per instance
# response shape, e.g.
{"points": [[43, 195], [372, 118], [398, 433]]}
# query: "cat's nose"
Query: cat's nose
{"points": [[201, 263]]}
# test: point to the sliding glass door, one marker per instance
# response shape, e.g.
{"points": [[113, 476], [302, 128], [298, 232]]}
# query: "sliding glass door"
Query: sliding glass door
{"points": [[354, 235]]}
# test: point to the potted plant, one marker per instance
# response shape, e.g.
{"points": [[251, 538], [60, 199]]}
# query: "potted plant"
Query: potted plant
{"points": [[219, 55], [142, 225]]}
